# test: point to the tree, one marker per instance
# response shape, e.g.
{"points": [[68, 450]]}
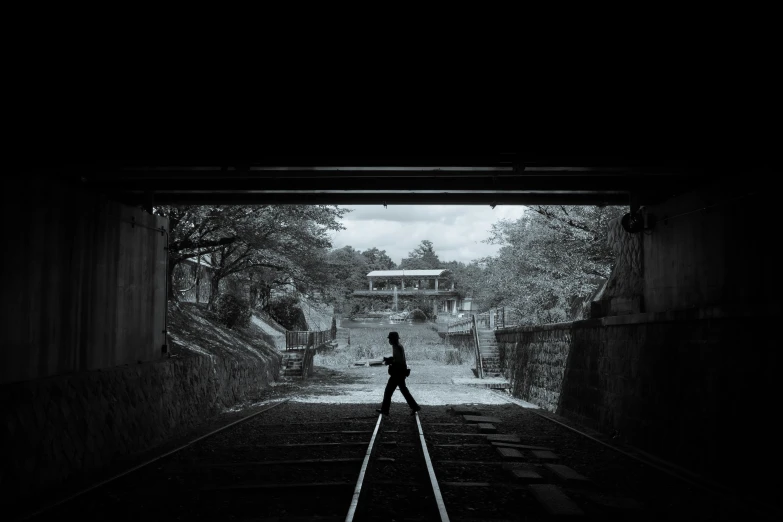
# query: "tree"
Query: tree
{"points": [[423, 257], [467, 278], [349, 269], [551, 260], [378, 259], [194, 231], [281, 238]]}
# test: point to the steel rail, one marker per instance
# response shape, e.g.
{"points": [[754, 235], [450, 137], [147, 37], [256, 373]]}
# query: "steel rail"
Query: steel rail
{"points": [[148, 462], [359, 489], [444, 516]]}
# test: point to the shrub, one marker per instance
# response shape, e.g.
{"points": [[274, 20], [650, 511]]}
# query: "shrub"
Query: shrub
{"points": [[453, 356], [232, 311], [286, 311]]}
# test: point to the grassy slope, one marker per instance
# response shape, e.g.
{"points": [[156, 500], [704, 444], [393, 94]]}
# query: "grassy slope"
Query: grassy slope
{"points": [[318, 316], [192, 332], [422, 343]]}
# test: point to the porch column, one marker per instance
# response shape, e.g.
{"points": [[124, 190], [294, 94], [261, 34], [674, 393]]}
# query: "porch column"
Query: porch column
{"points": [[436, 284], [370, 285]]}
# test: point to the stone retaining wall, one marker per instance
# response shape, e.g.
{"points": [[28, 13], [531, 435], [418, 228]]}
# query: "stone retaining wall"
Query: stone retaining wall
{"points": [[68, 426], [534, 359]]}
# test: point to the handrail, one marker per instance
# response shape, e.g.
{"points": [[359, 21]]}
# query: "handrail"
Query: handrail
{"points": [[498, 316], [476, 341], [457, 326], [308, 338]]}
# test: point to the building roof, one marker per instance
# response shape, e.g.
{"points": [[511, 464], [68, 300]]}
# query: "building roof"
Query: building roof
{"points": [[409, 273], [206, 260]]}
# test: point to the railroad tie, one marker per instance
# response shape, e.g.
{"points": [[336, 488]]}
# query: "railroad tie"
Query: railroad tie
{"points": [[554, 501]]}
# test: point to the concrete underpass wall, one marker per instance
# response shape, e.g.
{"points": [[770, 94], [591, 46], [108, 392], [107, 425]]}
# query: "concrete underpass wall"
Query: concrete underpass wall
{"points": [[83, 288], [713, 247], [692, 377], [83, 379], [68, 426], [685, 387]]}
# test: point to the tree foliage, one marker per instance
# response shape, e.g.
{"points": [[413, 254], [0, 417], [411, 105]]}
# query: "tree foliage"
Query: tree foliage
{"points": [[378, 260], [423, 257], [258, 247], [551, 260], [349, 268], [233, 311], [287, 312]]}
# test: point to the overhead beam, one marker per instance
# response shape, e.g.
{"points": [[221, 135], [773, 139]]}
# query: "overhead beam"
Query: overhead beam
{"points": [[378, 198], [498, 179], [215, 172], [382, 182], [383, 160]]}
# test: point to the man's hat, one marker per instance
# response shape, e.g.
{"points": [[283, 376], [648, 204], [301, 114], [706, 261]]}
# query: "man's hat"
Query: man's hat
{"points": [[394, 335]]}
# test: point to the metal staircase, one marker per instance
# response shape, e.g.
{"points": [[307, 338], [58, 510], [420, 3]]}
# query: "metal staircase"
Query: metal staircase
{"points": [[293, 363]]}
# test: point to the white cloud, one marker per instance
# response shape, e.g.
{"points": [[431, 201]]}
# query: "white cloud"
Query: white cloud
{"points": [[456, 232]]}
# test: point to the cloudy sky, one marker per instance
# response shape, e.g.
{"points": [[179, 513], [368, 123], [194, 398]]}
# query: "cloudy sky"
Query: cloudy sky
{"points": [[456, 231]]}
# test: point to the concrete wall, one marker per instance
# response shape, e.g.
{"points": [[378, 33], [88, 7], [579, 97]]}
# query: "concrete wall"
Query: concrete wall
{"points": [[83, 289], [690, 387], [713, 246], [68, 426], [185, 274]]}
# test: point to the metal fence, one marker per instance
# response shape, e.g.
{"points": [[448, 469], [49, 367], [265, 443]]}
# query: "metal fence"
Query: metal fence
{"points": [[492, 319], [296, 340]]}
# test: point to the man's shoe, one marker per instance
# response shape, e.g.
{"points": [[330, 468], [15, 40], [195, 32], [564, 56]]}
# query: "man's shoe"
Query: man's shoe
{"points": [[414, 412], [381, 411]]}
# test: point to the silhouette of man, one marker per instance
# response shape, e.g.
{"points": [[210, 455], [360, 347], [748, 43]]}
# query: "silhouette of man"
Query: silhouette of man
{"points": [[398, 371]]}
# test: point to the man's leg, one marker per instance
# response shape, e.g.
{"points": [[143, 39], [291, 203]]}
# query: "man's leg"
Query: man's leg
{"points": [[387, 394], [408, 397]]}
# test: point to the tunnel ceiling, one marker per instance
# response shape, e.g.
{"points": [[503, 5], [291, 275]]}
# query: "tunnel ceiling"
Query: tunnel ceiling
{"points": [[503, 179]]}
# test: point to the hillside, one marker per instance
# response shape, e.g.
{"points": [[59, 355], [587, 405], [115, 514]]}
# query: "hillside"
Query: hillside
{"points": [[318, 316], [192, 331], [270, 328]]}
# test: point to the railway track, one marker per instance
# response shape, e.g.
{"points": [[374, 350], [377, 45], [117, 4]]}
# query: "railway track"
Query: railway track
{"points": [[295, 461], [275, 466]]}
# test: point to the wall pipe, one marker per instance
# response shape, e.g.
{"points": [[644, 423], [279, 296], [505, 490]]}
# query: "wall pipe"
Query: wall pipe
{"points": [[164, 232]]}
